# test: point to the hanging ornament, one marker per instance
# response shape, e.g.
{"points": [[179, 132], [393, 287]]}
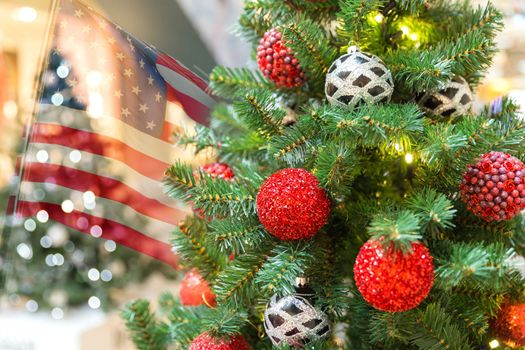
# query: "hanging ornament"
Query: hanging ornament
{"points": [[493, 188], [390, 280], [454, 100], [293, 320], [220, 170], [277, 62], [194, 291], [509, 325], [206, 342], [291, 205], [358, 77]]}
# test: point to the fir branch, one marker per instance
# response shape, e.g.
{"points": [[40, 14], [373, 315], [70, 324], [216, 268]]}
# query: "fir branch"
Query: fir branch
{"points": [[292, 147], [235, 235], [396, 229], [185, 323], [413, 7], [391, 329], [146, 331], [260, 112], [435, 211], [224, 321], [227, 82], [353, 14], [439, 145], [180, 181]]}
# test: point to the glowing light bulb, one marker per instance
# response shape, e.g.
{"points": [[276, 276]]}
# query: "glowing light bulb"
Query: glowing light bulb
{"points": [[409, 158], [414, 36], [379, 18], [405, 30], [494, 343], [25, 14]]}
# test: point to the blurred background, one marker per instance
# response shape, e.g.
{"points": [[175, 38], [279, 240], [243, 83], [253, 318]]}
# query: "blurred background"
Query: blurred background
{"points": [[61, 289]]}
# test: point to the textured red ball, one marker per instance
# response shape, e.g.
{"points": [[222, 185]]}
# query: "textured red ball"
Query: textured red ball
{"points": [[292, 205], [194, 291], [392, 281], [206, 342], [509, 325], [494, 187], [221, 170], [277, 61]]}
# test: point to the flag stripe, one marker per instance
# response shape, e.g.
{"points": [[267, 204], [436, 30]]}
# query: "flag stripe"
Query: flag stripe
{"points": [[112, 128], [101, 186], [195, 109], [114, 169], [111, 230], [178, 67], [128, 217], [98, 144]]}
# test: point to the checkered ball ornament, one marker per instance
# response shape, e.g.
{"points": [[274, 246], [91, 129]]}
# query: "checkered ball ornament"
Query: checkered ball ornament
{"points": [[454, 100]]}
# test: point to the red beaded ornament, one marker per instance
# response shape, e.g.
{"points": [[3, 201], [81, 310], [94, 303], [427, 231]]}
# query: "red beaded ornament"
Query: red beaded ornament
{"points": [[291, 205], [194, 291], [221, 170], [206, 342], [277, 61], [494, 188], [392, 281], [509, 325]]}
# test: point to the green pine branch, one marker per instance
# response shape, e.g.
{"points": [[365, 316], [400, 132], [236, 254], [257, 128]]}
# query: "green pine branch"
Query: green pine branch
{"points": [[434, 210], [146, 331], [227, 82], [259, 110]]}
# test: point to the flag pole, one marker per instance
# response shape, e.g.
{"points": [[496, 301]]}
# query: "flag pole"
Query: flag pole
{"points": [[38, 83]]}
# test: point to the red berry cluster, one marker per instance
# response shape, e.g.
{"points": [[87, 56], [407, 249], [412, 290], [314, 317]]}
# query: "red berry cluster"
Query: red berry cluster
{"points": [[494, 188], [291, 204], [194, 291], [509, 325], [277, 61], [221, 170], [206, 342], [390, 280]]}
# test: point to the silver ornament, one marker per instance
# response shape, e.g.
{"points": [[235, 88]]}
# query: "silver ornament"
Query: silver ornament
{"points": [[356, 78], [454, 100], [294, 321]]}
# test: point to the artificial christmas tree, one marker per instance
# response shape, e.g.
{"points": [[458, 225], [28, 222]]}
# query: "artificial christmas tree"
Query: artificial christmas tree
{"points": [[379, 192]]}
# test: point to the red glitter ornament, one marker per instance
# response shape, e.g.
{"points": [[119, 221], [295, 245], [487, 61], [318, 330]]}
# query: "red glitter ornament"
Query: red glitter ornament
{"points": [[291, 205], [206, 342], [509, 325], [221, 170], [390, 280], [493, 188], [277, 61], [194, 291]]}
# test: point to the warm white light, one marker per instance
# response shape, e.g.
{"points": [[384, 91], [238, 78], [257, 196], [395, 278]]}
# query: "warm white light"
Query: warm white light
{"points": [[88, 196], [42, 216], [25, 251], [379, 18], [405, 29], [32, 306], [397, 146], [10, 109], [94, 302], [94, 78], [409, 158], [58, 259], [25, 14], [96, 105], [96, 231], [57, 99], [68, 206], [42, 156], [93, 274], [75, 156], [57, 313], [46, 242], [106, 275], [414, 36], [110, 246], [63, 71], [494, 344], [30, 225]]}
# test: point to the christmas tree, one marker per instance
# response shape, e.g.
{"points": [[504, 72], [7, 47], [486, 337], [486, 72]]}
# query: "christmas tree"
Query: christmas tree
{"points": [[358, 202]]}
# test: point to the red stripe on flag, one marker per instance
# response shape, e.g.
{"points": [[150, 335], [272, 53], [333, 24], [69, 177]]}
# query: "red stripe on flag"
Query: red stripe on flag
{"points": [[176, 66], [103, 187], [193, 108], [101, 145], [10, 210], [110, 230]]}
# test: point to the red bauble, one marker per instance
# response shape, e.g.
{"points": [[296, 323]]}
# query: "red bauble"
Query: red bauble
{"points": [[221, 170], [291, 205], [509, 325], [194, 291], [392, 281], [277, 62], [494, 187], [206, 342]]}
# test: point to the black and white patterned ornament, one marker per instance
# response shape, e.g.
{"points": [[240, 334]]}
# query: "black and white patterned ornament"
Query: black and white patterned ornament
{"points": [[358, 77], [454, 100], [293, 320]]}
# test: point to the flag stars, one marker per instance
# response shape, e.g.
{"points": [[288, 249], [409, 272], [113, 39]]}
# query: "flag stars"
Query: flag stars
{"points": [[72, 82], [111, 40], [131, 47], [120, 56], [136, 90], [86, 29], [63, 24], [143, 107], [158, 97], [110, 77], [151, 125], [79, 13], [125, 112], [95, 44], [150, 80], [142, 63], [128, 72], [118, 94]]}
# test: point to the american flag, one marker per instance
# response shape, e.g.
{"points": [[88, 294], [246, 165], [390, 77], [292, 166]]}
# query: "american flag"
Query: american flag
{"points": [[99, 144]]}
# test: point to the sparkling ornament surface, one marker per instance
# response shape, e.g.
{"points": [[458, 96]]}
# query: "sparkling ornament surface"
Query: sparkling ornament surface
{"points": [[493, 188], [194, 291], [294, 321], [356, 78], [291, 205], [206, 342], [392, 281], [509, 325], [220, 170], [454, 100], [277, 62]]}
